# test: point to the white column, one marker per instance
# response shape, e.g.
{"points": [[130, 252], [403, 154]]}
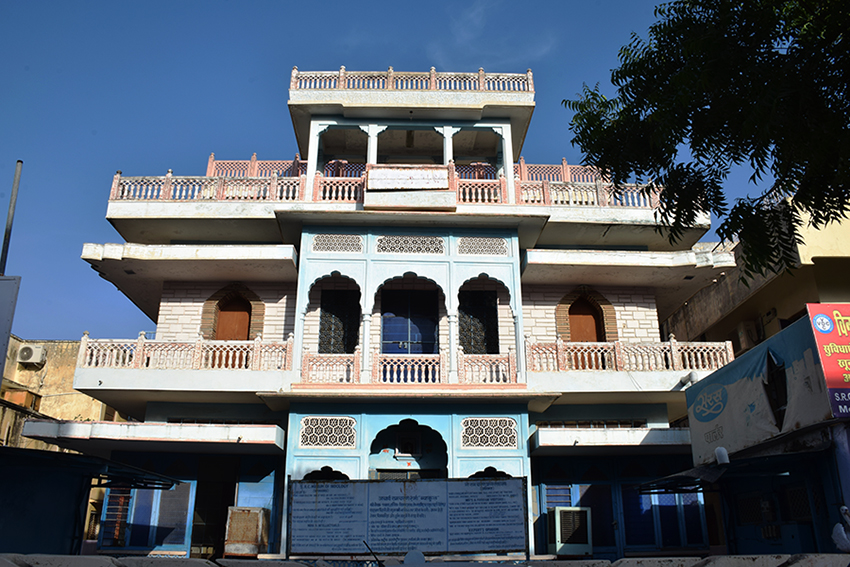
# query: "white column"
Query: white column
{"points": [[520, 350], [448, 147], [366, 348], [298, 343], [453, 343], [372, 130], [508, 159], [316, 130]]}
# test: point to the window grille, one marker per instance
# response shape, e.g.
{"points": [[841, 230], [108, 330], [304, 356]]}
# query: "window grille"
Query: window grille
{"points": [[328, 432], [482, 246], [411, 245], [494, 432], [338, 243], [339, 321], [478, 322]]}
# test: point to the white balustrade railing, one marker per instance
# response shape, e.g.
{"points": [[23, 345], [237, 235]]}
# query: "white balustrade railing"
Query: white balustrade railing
{"points": [[419, 369], [174, 355], [561, 356]]}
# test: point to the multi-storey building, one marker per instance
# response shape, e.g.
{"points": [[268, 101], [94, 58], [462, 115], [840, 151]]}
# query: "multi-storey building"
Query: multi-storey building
{"points": [[411, 300]]}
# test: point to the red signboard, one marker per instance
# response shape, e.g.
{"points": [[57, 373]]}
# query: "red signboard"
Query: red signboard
{"points": [[831, 325]]}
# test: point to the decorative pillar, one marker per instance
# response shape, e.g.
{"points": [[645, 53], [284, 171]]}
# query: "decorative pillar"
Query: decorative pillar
{"points": [[453, 347], [298, 347], [313, 150], [372, 130], [448, 148], [520, 349], [365, 339], [508, 159]]}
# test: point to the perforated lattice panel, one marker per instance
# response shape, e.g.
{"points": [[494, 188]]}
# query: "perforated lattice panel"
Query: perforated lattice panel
{"points": [[328, 432], [481, 246], [338, 243], [410, 245], [497, 432]]}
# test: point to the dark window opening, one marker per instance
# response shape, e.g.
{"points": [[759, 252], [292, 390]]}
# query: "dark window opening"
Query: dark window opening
{"points": [[339, 322], [409, 322], [478, 322]]}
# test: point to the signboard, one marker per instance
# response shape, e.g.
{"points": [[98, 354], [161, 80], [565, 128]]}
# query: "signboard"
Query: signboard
{"points": [[775, 388], [406, 179], [431, 516], [831, 324]]}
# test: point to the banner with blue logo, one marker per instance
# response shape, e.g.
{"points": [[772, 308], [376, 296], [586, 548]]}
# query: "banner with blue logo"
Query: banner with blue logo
{"points": [[775, 388]]}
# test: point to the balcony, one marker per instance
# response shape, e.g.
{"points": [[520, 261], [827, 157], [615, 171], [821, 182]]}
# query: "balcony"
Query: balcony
{"points": [[408, 370], [127, 374], [253, 180], [629, 357]]}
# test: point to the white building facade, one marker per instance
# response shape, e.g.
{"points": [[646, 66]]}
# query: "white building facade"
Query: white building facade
{"points": [[411, 301]]}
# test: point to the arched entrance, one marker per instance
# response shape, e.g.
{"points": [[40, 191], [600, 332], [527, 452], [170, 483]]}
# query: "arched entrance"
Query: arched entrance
{"points": [[408, 451]]}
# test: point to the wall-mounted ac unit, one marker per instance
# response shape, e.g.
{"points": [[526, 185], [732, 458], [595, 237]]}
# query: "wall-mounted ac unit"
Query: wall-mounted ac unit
{"points": [[569, 531], [247, 533], [748, 335], [31, 354]]}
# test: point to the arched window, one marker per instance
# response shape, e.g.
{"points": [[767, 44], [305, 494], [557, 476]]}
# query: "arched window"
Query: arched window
{"points": [[234, 319], [585, 315]]}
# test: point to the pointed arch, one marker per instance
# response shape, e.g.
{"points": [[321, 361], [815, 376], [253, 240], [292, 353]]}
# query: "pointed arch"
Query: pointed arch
{"points": [[586, 297], [232, 294]]}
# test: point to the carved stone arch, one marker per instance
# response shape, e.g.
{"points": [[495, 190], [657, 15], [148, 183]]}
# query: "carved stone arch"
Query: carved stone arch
{"points": [[596, 299], [209, 315], [408, 277], [484, 277]]}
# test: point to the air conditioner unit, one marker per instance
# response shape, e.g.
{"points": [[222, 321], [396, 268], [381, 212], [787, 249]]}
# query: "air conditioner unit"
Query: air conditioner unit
{"points": [[748, 335], [247, 533], [31, 354], [570, 531]]}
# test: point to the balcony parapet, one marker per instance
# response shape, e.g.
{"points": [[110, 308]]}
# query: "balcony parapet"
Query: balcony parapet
{"points": [[173, 355], [407, 81], [342, 182], [561, 356], [413, 370]]}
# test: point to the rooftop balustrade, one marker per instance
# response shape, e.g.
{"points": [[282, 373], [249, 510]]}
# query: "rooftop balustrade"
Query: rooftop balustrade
{"points": [[407, 81], [342, 182]]}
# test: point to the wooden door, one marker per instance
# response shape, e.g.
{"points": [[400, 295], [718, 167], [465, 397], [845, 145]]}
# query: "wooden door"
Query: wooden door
{"points": [[234, 320], [585, 322]]}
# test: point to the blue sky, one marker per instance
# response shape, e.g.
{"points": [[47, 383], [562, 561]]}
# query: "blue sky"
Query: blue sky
{"points": [[88, 88]]}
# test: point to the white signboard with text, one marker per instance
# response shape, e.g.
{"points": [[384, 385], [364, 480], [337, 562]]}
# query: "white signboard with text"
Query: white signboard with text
{"points": [[431, 516]]}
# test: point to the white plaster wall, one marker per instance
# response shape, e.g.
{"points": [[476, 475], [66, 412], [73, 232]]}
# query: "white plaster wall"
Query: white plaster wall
{"points": [[182, 305], [637, 316]]}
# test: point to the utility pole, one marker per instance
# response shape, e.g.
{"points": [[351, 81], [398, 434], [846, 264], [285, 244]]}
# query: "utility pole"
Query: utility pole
{"points": [[10, 217]]}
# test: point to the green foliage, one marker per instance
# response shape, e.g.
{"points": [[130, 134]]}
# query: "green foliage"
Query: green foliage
{"points": [[726, 83]]}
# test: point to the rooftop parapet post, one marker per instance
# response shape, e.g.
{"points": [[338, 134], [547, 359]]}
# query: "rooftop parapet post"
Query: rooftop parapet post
{"points": [[252, 167], [211, 165], [390, 80], [116, 184], [340, 84], [293, 81], [432, 84], [482, 82], [530, 81], [165, 192]]}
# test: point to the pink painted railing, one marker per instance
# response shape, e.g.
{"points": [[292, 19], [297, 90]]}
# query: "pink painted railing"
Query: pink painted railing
{"points": [[172, 355], [172, 188], [418, 369], [331, 368], [634, 357], [486, 368], [339, 189], [344, 182], [405, 81]]}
